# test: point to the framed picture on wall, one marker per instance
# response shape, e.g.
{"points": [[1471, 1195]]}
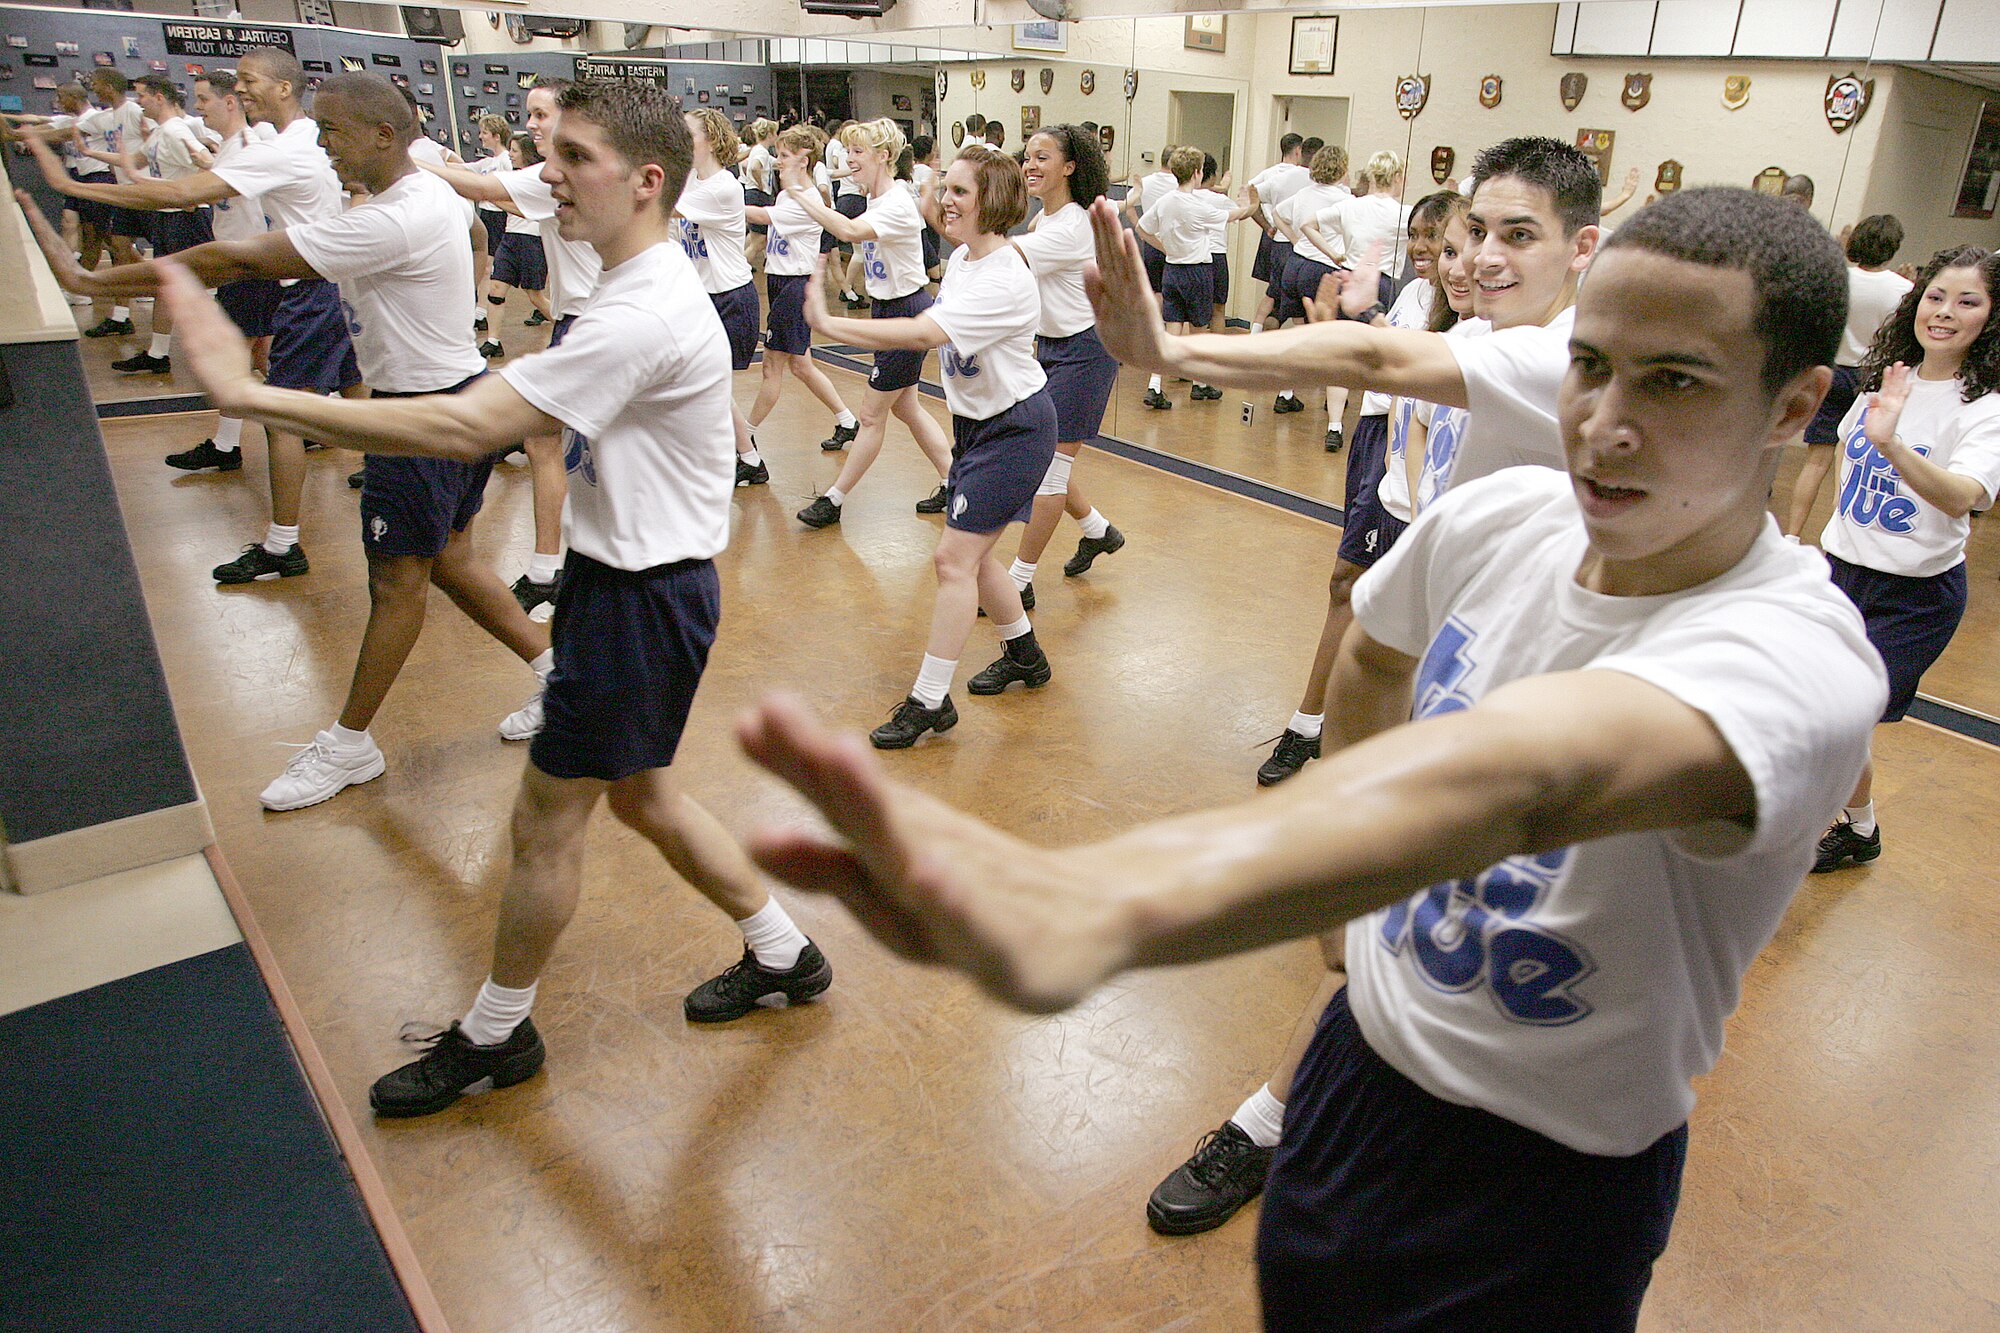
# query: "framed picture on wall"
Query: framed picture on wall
{"points": [[1206, 32], [1979, 183], [1314, 41], [1040, 37]]}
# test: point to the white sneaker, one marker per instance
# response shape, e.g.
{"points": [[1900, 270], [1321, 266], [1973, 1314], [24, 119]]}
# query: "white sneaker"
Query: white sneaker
{"points": [[322, 770], [525, 723]]}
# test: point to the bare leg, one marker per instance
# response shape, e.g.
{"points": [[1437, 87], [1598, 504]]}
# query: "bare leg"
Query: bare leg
{"points": [[930, 436], [551, 816], [1287, 1068], [397, 585], [539, 299], [1336, 406], [698, 848], [817, 380], [741, 427], [1339, 615], [288, 475], [551, 482], [967, 573], [476, 590], [1864, 790], [874, 417], [1805, 492], [772, 385]]}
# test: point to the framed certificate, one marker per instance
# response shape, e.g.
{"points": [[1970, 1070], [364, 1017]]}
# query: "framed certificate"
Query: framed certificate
{"points": [[1206, 32], [1313, 44], [1046, 36]]}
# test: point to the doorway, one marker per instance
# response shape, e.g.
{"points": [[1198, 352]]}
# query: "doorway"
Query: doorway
{"points": [[1313, 117], [1205, 120]]}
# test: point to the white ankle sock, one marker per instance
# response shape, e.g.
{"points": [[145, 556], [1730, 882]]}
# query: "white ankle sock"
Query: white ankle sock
{"points": [[1262, 1117], [1022, 573], [1862, 817], [1257, 327], [836, 495], [753, 458], [348, 737], [1095, 525], [279, 539], [1286, 393], [496, 1013], [933, 680], [162, 345], [846, 418], [1015, 630], [543, 567], [1153, 383], [1306, 724], [543, 663], [121, 312], [772, 937], [229, 434]]}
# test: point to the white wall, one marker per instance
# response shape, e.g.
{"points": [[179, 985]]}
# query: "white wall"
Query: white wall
{"points": [[1925, 129]]}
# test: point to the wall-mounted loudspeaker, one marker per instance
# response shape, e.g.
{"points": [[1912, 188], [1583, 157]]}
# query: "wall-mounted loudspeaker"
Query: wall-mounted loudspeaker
{"points": [[543, 25], [853, 9], [443, 26]]}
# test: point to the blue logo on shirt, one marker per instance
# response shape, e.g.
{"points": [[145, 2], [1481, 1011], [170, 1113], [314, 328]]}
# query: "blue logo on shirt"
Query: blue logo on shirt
{"points": [[959, 367], [691, 240], [1871, 492], [1441, 451], [871, 265], [778, 245], [353, 320], [576, 455], [1465, 933]]}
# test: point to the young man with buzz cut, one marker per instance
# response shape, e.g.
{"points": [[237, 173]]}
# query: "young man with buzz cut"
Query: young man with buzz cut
{"points": [[640, 394], [1597, 721]]}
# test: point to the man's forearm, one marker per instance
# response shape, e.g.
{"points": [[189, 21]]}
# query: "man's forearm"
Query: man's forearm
{"points": [[146, 195], [484, 190], [880, 335], [1336, 353], [428, 427]]}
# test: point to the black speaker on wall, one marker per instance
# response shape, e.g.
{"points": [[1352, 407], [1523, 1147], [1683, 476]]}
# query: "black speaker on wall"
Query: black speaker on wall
{"points": [[443, 26], [853, 9]]}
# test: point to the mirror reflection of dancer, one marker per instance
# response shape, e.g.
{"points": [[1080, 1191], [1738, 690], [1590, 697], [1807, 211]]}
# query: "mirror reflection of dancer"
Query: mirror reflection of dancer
{"points": [[640, 391], [713, 228], [1635, 707]]}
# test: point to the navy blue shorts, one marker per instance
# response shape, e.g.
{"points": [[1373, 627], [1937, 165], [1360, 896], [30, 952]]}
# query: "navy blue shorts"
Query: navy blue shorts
{"points": [[998, 464], [1219, 264], [1910, 621], [1281, 258], [1369, 530], [309, 343], [899, 369], [521, 262], [496, 227], [175, 232], [1081, 377], [411, 506], [1302, 279], [91, 212], [1824, 428], [136, 223], [754, 198], [1260, 267], [738, 309], [933, 250], [630, 649], [250, 304], [789, 331], [560, 329], [1156, 267], [1188, 294], [1389, 1209]]}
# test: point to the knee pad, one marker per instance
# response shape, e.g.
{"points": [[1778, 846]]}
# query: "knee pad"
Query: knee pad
{"points": [[1056, 480], [496, 300]]}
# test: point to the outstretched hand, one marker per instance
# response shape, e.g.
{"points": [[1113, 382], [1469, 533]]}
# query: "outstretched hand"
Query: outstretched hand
{"points": [[1128, 314], [62, 260], [1361, 289], [1885, 405], [205, 339], [932, 883]]}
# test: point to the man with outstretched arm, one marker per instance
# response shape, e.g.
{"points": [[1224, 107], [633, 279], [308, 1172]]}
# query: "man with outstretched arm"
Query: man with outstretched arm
{"points": [[1634, 707]]}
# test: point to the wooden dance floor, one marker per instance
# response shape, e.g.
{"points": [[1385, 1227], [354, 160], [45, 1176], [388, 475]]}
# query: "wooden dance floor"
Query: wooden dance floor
{"points": [[905, 1155]]}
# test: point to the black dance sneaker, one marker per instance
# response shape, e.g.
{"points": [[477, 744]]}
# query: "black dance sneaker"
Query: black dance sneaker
{"points": [[1158, 401], [1090, 548], [1292, 754], [109, 328], [1029, 665], [479, 323], [532, 595], [749, 985], [821, 513], [907, 725], [1288, 402], [1226, 1172], [535, 320], [144, 364], [842, 437], [256, 564], [490, 349], [1204, 393], [1841, 845], [204, 457], [746, 475], [935, 502], [453, 1067], [1333, 440], [357, 479]]}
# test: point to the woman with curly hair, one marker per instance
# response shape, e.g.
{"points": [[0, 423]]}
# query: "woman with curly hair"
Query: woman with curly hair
{"points": [[1919, 452]]}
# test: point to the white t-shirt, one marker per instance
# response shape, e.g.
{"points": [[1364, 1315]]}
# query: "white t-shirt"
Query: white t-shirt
{"points": [[1361, 221], [1180, 222], [405, 275], [1878, 521], [423, 148], [1511, 380], [519, 226], [792, 244], [1871, 298], [239, 217], [757, 166], [641, 384], [990, 309], [1056, 250], [1306, 205], [836, 160], [1277, 183], [1410, 310], [712, 229], [1155, 187], [170, 152], [1217, 229], [573, 265], [290, 175], [1577, 992], [487, 166], [113, 129], [892, 264], [920, 176]]}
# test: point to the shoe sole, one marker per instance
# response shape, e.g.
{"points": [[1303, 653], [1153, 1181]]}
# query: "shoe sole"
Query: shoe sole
{"points": [[1072, 569], [1034, 681], [519, 1069], [1167, 1226], [263, 578], [811, 989], [205, 467], [817, 527], [937, 730], [748, 482], [1272, 781], [826, 448], [518, 739], [380, 767], [1849, 859]]}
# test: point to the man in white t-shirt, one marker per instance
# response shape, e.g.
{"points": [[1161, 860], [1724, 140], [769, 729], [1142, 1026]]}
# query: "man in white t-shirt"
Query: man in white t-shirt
{"points": [[1634, 705], [109, 134], [173, 150], [293, 180], [1269, 188], [640, 393]]}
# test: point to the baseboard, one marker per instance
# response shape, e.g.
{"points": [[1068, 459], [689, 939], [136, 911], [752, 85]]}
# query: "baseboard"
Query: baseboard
{"points": [[105, 849]]}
